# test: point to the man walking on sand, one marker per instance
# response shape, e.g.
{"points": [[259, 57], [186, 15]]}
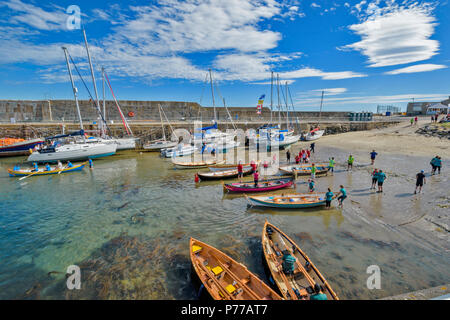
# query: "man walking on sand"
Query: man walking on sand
{"points": [[420, 181], [373, 155], [288, 156]]}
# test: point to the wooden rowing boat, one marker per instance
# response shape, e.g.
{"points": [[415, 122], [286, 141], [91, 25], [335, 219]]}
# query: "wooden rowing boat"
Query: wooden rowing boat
{"points": [[304, 169], [294, 201], [223, 167], [224, 278], [221, 175], [42, 172], [263, 186], [305, 279], [193, 165]]}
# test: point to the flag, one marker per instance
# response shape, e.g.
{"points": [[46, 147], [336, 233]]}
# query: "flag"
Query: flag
{"points": [[260, 104]]}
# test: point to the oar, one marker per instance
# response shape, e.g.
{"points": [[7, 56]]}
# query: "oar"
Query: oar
{"points": [[23, 178], [62, 170]]}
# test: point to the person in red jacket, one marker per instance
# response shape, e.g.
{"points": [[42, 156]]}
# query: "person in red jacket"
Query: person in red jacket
{"points": [[256, 178], [240, 169]]}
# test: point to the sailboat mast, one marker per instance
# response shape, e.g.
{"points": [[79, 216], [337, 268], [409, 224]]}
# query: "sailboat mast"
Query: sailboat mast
{"points": [[212, 92], [279, 103], [101, 125], [162, 125], [287, 108], [271, 98], [74, 89], [321, 105], [104, 92]]}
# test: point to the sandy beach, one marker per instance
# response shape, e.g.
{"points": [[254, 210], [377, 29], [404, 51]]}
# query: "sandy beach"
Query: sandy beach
{"points": [[402, 153], [398, 139]]}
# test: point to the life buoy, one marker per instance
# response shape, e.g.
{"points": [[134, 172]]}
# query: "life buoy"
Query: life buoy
{"points": [[131, 114]]}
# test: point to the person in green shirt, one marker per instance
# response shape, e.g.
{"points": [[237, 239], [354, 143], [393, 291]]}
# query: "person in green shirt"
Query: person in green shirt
{"points": [[331, 165], [313, 171], [342, 197], [381, 176], [288, 262], [351, 159], [328, 198], [318, 294]]}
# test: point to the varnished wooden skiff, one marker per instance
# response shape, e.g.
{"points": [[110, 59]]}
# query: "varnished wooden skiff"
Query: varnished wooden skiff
{"points": [[224, 278], [306, 279]]}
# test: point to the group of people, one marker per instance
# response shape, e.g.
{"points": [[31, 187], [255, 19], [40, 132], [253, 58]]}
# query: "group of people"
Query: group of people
{"points": [[378, 177], [434, 118], [414, 121], [436, 164], [47, 167]]}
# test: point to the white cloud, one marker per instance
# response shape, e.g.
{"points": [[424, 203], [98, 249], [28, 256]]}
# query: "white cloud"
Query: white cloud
{"points": [[370, 100], [394, 34], [28, 14], [417, 68], [331, 91], [315, 5], [153, 41], [310, 72]]}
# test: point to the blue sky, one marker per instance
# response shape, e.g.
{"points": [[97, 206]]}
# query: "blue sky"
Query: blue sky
{"points": [[361, 53]]}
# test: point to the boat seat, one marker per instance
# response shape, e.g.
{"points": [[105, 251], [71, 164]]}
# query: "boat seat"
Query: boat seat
{"points": [[196, 249], [246, 280], [231, 289], [217, 270]]}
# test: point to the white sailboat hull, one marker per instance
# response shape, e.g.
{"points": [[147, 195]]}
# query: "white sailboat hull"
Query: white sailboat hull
{"points": [[178, 152], [317, 135], [159, 145], [75, 152], [125, 143]]}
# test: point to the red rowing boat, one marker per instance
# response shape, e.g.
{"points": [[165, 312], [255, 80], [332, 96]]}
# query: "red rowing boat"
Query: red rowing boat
{"points": [[263, 186]]}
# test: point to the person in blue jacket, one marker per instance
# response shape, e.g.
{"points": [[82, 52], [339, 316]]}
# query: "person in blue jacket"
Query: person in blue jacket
{"points": [[373, 155]]}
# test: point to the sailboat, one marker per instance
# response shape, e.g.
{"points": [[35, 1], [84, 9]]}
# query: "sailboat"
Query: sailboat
{"points": [[316, 133], [158, 145], [274, 136], [211, 137], [74, 150]]}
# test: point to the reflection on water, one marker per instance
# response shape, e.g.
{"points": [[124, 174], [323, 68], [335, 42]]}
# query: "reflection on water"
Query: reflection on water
{"points": [[127, 224]]}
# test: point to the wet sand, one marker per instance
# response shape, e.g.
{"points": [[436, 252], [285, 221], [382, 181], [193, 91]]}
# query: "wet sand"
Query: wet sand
{"points": [[401, 155]]}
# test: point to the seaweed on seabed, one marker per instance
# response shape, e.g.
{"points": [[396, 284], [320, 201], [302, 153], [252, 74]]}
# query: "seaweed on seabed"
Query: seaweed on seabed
{"points": [[130, 267]]}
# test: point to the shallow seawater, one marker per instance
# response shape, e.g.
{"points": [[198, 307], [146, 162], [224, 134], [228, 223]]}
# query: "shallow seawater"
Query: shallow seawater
{"points": [[127, 225]]}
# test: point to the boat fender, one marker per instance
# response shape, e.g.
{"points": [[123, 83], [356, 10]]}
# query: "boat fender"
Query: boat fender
{"points": [[131, 114]]}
